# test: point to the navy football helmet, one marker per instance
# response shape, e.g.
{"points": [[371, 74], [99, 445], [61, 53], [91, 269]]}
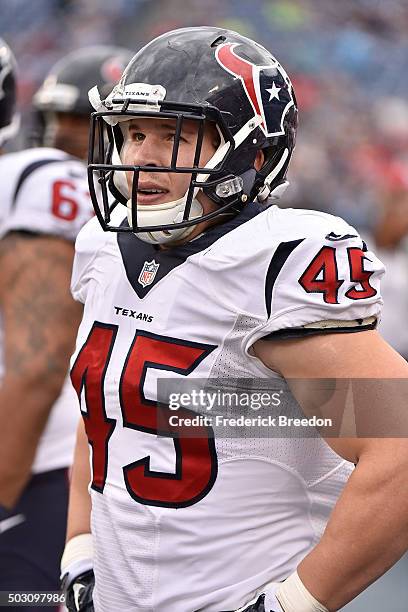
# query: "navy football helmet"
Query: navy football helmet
{"points": [[65, 88], [199, 74], [9, 119]]}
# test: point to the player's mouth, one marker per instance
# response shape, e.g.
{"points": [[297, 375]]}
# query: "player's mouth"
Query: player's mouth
{"points": [[151, 194]]}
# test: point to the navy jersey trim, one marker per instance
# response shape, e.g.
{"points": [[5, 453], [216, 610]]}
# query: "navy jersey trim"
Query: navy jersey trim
{"points": [[135, 253], [29, 170], [304, 332], [278, 260]]}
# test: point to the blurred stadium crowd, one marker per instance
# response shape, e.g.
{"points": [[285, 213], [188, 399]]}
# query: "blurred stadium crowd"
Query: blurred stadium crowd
{"points": [[347, 59]]}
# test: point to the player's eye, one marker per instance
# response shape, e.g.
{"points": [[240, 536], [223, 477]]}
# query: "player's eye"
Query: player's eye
{"points": [[136, 136], [172, 136]]}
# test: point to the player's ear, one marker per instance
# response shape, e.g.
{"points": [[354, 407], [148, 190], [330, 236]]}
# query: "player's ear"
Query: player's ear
{"points": [[259, 160]]}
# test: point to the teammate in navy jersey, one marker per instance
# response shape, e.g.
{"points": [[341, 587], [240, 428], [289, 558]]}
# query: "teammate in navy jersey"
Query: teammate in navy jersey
{"points": [[44, 203], [194, 275]]}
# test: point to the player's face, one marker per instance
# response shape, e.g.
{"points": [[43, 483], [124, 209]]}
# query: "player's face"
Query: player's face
{"points": [[71, 134], [149, 142]]}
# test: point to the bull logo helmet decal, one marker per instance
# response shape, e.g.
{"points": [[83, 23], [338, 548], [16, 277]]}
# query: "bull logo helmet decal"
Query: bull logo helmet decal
{"points": [[112, 69], [267, 87]]}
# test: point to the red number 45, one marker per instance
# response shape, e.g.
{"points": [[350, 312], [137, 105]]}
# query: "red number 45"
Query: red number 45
{"points": [[321, 276], [195, 454]]}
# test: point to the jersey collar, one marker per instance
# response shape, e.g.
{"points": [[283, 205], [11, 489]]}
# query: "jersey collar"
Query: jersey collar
{"points": [[136, 254]]}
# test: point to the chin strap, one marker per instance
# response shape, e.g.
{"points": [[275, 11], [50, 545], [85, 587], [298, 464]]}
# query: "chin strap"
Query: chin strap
{"points": [[265, 191], [279, 190], [169, 212]]}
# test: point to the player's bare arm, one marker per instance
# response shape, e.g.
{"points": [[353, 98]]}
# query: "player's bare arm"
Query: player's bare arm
{"points": [[368, 529], [40, 323], [79, 509], [77, 561]]}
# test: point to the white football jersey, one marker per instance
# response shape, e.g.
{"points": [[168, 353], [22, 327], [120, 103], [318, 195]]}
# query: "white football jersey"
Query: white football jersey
{"points": [[45, 190], [201, 523]]}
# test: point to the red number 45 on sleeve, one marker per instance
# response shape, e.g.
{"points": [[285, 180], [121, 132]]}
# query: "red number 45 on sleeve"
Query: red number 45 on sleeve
{"points": [[321, 276]]}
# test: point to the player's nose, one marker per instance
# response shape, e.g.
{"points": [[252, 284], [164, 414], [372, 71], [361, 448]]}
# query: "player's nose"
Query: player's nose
{"points": [[148, 153]]}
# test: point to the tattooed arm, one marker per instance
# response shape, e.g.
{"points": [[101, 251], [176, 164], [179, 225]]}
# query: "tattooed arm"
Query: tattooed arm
{"points": [[40, 320]]}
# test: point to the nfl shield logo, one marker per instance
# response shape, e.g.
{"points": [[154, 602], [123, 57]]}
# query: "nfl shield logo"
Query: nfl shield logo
{"points": [[148, 273]]}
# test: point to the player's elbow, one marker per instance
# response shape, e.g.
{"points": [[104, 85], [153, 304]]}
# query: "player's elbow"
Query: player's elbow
{"points": [[385, 462]]}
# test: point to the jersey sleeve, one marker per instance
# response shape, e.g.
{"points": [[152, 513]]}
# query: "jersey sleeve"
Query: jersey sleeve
{"points": [[323, 282], [94, 252], [52, 199], [87, 247]]}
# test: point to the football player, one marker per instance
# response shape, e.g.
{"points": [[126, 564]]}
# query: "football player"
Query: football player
{"points": [[44, 202], [9, 118], [201, 278]]}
